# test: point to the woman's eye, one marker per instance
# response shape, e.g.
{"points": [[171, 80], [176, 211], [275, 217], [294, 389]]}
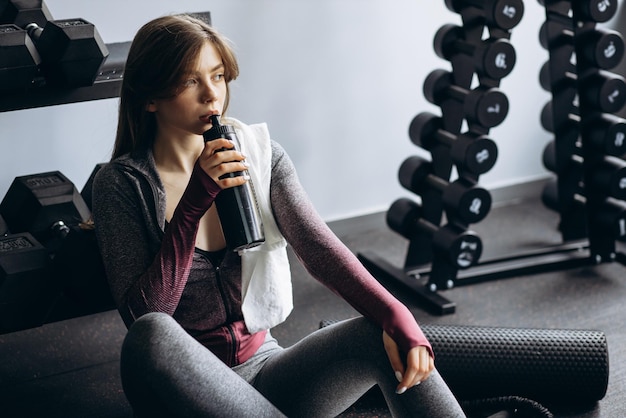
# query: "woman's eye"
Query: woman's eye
{"points": [[218, 77], [189, 82]]}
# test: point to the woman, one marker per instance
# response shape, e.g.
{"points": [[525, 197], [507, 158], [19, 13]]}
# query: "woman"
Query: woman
{"points": [[199, 314]]}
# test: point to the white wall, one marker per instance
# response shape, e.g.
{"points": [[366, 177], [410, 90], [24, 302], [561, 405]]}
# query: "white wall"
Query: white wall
{"points": [[338, 82]]}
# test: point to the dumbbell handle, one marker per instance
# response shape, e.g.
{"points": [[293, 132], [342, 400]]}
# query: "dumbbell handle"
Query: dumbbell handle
{"points": [[425, 226], [465, 47], [457, 93], [60, 229], [34, 31], [436, 182], [445, 137]]}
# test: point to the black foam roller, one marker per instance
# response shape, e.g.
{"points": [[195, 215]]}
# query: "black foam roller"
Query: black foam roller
{"points": [[546, 365]]}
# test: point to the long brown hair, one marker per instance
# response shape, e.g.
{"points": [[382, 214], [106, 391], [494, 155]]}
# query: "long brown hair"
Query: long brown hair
{"points": [[162, 51]]}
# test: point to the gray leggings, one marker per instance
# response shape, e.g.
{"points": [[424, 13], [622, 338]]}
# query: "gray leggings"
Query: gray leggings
{"points": [[167, 373]]}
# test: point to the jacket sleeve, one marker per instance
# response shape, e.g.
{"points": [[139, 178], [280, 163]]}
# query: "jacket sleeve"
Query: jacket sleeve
{"points": [[144, 279], [329, 261]]}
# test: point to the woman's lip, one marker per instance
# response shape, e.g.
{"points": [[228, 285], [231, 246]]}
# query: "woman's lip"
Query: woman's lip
{"points": [[207, 117]]}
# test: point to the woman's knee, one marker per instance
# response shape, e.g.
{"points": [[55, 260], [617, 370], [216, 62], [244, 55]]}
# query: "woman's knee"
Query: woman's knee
{"points": [[147, 334]]}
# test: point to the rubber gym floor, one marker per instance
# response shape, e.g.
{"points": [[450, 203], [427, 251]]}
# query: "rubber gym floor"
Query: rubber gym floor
{"points": [[70, 368]]}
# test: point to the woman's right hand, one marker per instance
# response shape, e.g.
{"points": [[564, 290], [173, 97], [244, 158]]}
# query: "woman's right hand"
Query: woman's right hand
{"points": [[219, 159]]}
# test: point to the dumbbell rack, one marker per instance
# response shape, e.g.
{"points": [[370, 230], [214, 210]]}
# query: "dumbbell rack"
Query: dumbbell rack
{"points": [[591, 209], [425, 271], [106, 86], [37, 310], [592, 220], [587, 190]]}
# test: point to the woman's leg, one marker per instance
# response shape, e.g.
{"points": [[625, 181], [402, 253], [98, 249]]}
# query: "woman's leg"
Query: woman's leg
{"points": [[167, 373], [327, 371]]}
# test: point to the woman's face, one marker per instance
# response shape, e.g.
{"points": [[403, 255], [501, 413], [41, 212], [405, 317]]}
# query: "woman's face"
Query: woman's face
{"points": [[202, 94]]}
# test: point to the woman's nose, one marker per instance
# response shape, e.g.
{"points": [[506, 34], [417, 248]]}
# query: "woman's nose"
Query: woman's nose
{"points": [[208, 94]]}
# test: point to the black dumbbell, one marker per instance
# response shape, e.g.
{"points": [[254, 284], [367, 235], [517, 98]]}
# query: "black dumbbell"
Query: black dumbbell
{"points": [[549, 41], [601, 48], [609, 177], [19, 59], [78, 271], [473, 153], [573, 157], [505, 14], [567, 79], [595, 10], [46, 205], [71, 50], [23, 12], [603, 90], [462, 199], [493, 57], [26, 290], [487, 106], [592, 10], [610, 216], [606, 133], [569, 200], [569, 126], [462, 248], [560, 45]]}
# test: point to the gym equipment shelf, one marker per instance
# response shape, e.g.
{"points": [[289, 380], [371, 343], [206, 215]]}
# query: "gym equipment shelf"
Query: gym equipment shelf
{"points": [[106, 86], [80, 297]]}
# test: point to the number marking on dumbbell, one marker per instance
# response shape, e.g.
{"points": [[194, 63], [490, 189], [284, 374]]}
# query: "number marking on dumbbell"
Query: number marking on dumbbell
{"points": [[613, 96], [482, 156], [14, 243], [467, 254], [509, 11]]}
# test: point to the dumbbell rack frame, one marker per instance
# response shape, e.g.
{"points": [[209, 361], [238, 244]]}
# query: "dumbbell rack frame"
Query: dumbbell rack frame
{"points": [[423, 267], [578, 249]]}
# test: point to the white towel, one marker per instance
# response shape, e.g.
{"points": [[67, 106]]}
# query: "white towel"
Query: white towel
{"points": [[266, 275]]}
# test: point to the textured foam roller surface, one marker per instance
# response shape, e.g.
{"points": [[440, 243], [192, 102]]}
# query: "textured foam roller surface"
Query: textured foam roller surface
{"points": [[542, 364]]}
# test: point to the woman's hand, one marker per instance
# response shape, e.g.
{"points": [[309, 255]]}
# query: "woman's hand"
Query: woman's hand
{"points": [[419, 364], [218, 163]]}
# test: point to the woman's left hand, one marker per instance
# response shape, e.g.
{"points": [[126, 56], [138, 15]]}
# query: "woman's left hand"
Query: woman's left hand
{"points": [[419, 364]]}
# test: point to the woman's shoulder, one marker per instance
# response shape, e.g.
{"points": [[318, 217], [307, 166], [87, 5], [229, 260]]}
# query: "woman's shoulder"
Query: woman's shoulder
{"points": [[121, 169]]}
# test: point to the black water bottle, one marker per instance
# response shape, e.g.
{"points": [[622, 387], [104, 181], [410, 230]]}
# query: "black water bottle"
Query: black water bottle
{"points": [[236, 206]]}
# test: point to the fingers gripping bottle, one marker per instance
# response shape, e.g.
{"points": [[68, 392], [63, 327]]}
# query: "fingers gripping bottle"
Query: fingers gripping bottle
{"points": [[236, 206]]}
